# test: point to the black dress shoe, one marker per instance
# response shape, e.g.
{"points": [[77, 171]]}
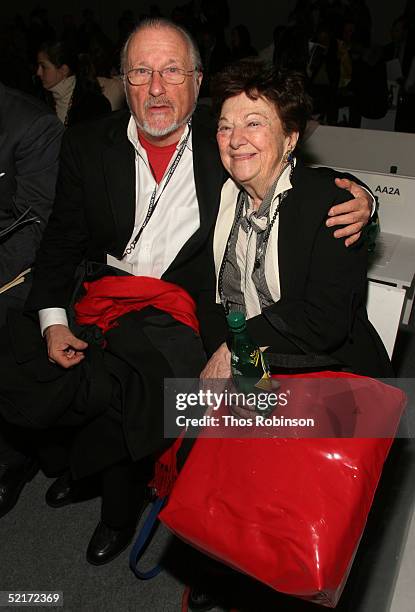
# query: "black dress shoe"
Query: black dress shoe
{"points": [[201, 600], [107, 543], [61, 492], [12, 481], [66, 491]]}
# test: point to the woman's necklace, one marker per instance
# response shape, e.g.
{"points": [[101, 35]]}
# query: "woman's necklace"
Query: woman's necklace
{"points": [[261, 250], [264, 242], [66, 122], [236, 223]]}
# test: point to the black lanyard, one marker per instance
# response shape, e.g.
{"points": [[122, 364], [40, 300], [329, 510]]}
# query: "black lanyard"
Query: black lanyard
{"points": [[153, 201]]}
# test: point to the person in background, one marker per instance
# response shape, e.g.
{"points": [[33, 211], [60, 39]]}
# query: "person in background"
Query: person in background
{"points": [[359, 12], [402, 49], [15, 69], [69, 35], [88, 28], [323, 71], [241, 46], [402, 46], [70, 83], [39, 30], [291, 49], [214, 52], [125, 24], [137, 196], [100, 52], [30, 143], [30, 135]]}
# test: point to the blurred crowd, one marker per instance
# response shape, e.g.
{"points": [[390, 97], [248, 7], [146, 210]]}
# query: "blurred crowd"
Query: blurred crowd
{"points": [[350, 77], [330, 41]]}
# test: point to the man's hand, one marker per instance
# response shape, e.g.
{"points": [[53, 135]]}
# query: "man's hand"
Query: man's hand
{"points": [[219, 365], [63, 347], [353, 214]]}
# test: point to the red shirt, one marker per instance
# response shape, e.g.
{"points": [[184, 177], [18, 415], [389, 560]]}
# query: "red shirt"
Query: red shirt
{"points": [[158, 157]]}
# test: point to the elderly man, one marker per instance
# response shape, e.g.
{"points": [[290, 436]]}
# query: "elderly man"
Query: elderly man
{"points": [[139, 192]]}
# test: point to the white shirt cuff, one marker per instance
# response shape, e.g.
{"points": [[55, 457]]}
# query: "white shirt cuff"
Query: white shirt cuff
{"points": [[52, 316], [373, 200]]}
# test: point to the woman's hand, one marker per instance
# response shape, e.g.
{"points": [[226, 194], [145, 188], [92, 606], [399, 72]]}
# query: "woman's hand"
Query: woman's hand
{"points": [[218, 368], [219, 365]]}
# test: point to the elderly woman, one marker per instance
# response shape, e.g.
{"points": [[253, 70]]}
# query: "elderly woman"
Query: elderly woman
{"points": [[303, 292]]}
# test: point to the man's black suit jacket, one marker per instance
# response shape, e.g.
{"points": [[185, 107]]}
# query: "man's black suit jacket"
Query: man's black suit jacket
{"points": [[93, 215], [95, 209]]}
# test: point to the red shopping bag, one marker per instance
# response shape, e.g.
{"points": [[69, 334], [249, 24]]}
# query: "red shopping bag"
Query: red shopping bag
{"points": [[289, 512]]}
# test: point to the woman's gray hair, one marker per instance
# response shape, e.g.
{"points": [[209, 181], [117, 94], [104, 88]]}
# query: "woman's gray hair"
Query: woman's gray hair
{"points": [[160, 22]]}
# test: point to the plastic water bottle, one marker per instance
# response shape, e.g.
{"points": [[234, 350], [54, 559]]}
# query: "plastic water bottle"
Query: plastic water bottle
{"points": [[249, 368]]}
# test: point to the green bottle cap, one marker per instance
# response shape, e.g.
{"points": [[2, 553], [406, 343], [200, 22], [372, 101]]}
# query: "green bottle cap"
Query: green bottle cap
{"points": [[236, 321]]}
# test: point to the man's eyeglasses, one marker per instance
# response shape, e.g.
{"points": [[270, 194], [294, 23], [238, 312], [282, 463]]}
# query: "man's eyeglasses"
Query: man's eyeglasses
{"points": [[142, 76]]}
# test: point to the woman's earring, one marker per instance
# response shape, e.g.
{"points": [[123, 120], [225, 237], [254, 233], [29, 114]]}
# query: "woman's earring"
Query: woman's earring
{"points": [[288, 156]]}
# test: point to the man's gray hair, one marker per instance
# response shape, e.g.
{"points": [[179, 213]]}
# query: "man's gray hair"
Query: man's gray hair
{"points": [[160, 22]]}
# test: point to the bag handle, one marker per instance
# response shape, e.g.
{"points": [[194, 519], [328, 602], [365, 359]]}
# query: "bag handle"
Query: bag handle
{"points": [[143, 539]]}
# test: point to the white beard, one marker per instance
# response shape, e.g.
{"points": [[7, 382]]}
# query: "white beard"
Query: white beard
{"points": [[155, 131], [164, 131]]}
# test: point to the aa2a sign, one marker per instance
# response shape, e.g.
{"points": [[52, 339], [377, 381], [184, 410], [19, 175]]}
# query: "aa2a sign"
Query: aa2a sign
{"points": [[387, 189], [396, 195]]}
